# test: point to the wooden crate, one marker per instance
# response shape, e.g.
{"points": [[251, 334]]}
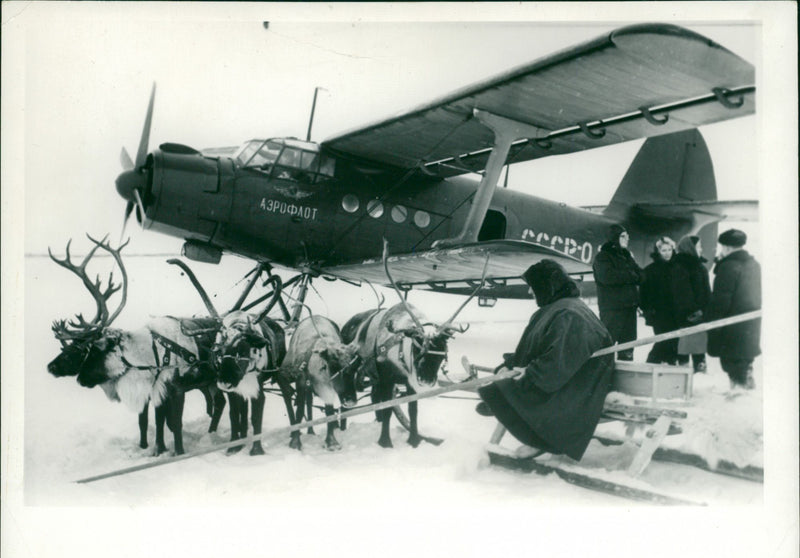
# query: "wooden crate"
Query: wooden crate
{"points": [[655, 381]]}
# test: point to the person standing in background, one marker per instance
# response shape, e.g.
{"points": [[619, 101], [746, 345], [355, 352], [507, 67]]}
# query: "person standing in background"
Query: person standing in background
{"points": [[691, 292], [657, 301], [618, 276], [737, 289]]}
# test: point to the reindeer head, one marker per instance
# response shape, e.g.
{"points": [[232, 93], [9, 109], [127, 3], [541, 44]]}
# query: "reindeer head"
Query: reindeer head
{"points": [[84, 344], [240, 348], [334, 363], [423, 347]]}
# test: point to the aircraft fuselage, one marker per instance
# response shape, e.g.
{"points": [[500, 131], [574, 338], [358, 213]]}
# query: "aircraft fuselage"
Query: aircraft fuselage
{"points": [[294, 221]]}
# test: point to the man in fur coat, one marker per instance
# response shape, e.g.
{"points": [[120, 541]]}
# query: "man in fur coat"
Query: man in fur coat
{"points": [[555, 401], [618, 276], [736, 290]]}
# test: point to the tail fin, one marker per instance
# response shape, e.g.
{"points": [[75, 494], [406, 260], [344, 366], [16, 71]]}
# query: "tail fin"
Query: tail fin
{"points": [[659, 193]]}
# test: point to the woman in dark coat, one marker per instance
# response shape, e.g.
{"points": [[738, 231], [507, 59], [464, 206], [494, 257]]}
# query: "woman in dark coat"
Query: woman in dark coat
{"points": [[657, 303], [691, 292], [617, 276], [554, 404]]}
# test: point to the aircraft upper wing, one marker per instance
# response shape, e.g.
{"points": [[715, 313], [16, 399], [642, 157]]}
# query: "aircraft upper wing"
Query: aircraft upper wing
{"points": [[618, 87], [464, 265]]}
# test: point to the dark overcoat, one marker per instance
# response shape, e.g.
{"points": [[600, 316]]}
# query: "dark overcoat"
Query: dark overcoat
{"points": [[691, 289], [561, 395], [617, 276], [737, 289], [657, 295]]}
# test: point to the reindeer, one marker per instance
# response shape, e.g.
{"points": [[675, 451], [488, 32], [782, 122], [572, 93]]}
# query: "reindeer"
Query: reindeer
{"points": [[318, 359], [399, 346], [248, 351], [157, 363]]}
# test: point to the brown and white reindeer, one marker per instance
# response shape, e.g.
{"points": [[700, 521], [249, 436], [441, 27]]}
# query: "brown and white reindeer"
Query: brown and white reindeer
{"points": [[157, 363], [399, 346], [318, 362]]}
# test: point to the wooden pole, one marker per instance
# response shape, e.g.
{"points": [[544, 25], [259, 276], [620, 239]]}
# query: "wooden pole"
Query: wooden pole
{"points": [[680, 333], [476, 383], [468, 385]]}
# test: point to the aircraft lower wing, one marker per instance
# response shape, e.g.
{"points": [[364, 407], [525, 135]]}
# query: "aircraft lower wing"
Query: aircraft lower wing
{"points": [[459, 270], [638, 81]]}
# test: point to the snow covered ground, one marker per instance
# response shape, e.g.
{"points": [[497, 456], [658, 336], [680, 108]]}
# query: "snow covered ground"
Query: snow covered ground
{"points": [[73, 432]]}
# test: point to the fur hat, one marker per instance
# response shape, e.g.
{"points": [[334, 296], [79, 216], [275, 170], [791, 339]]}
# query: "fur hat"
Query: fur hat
{"points": [[733, 237], [549, 282], [688, 245], [614, 231]]}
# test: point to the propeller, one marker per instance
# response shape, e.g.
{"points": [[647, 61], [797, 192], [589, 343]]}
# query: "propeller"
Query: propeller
{"points": [[132, 181]]}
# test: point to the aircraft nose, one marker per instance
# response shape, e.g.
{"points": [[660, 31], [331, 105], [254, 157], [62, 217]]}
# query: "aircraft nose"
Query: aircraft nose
{"points": [[129, 182]]}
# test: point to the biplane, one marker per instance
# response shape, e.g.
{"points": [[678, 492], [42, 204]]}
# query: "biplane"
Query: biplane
{"points": [[426, 181]]}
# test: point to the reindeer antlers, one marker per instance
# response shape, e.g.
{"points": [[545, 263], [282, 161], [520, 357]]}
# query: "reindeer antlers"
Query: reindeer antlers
{"points": [[394, 285], [200, 290], [446, 325], [102, 319]]}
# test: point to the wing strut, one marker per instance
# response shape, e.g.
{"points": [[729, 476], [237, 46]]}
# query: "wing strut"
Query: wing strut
{"points": [[506, 132]]}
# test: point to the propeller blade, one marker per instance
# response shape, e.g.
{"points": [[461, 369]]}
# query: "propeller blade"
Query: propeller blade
{"points": [[139, 207], [125, 160], [141, 154], [128, 211]]}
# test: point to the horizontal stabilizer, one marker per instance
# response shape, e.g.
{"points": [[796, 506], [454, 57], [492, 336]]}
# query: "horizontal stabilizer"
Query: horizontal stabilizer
{"points": [[454, 269], [730, 210]]}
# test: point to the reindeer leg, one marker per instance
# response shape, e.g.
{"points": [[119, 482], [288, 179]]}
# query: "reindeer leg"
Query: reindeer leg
{"points": [[310, 410], [385, 392], [257, 420], [331, 443], [161, 417], [286, 391], [413, 437], [219, 406], [176, 415], [235, 402], [143, 426], [299, 416], [209, 400]]}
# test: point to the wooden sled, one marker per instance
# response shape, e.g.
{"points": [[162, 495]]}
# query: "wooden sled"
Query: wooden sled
{"points": [[503, 457]]}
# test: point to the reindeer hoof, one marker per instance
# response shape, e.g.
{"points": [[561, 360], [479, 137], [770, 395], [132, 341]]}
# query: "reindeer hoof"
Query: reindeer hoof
{"points": [[385, 443], [296, 444], [233, 450], [414, 441], [333, 446], [257, 450], [143, 445], [160, 450]]}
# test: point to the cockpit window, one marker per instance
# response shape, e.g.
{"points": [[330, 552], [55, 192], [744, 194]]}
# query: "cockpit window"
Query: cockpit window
{"points": [[288, 159], [258, 153]]}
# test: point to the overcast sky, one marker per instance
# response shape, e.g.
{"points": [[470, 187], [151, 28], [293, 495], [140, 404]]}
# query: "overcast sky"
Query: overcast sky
{"points": [[223, 79]]}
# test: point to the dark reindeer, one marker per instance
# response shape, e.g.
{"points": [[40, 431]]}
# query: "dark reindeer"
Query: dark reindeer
{"points": [[248, 351], [157, 363], [398, 346], [317, 359]]}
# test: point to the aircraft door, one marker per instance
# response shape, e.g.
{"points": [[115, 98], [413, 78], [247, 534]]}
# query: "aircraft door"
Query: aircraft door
{"points": [[493, 227]]}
